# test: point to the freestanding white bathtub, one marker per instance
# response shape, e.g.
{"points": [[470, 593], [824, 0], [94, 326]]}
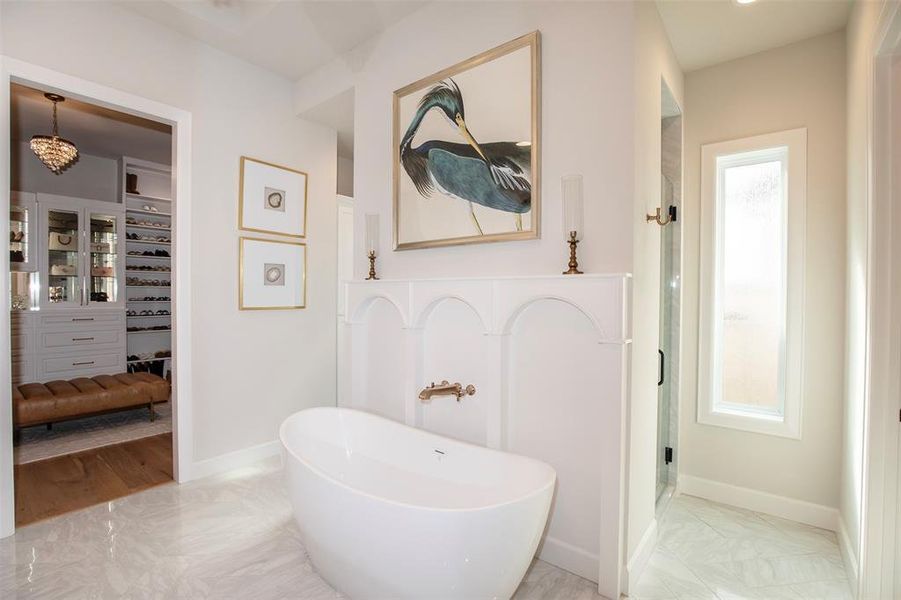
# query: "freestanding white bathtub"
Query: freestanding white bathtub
{"points": [[390, 511]]}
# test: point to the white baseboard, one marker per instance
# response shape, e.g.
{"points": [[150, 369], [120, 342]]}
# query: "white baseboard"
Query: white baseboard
{"points": [[234, 460], [639, 559], [801, 511], [849, 555], [570, 558]]}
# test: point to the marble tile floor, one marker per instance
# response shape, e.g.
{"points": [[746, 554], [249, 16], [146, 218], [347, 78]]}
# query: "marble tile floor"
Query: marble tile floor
{"points": [[77, 435], [232, 537], [717, 552], [226, 537]]}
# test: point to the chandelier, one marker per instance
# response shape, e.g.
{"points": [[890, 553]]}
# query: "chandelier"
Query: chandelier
{"points": [[55, 152]]}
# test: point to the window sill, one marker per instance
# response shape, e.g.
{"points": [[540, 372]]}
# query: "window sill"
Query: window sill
{"points": [[776, 425]]}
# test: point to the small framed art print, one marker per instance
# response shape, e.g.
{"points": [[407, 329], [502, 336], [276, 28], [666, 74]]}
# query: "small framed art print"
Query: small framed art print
{"points": [[272, 274], [272, 199]]}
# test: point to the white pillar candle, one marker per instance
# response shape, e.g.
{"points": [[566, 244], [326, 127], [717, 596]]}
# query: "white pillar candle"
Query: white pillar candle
{"points": [[572, 205], [372, 233]]}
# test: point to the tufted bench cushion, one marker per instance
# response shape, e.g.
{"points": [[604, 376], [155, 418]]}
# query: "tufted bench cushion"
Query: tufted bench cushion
{"points": [[37, 403]]}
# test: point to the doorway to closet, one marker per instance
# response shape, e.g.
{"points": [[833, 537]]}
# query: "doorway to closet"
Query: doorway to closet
{"points": [[91, 249]]}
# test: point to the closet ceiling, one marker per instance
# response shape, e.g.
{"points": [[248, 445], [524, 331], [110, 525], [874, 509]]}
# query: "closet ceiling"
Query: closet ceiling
{"points": [[708, 32], [289, 37], [95, 130]]}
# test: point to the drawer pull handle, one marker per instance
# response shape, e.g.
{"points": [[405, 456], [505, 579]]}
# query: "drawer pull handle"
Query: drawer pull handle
{"points": [[82, 319], [78, 364], [85, 339]]}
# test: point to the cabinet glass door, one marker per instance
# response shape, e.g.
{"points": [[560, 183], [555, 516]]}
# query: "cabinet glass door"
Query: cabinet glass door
{"points": [[19, 249], [63, 257], [103, 238]]}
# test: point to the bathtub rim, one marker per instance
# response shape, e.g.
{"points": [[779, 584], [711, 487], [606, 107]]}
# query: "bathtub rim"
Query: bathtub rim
{"points": [[316, 470]]}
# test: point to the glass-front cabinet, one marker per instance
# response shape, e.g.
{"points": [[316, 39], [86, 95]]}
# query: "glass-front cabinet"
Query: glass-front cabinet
{"points": [[103, 239], [22, 221], [64, 257], [81, 262], [23, 258]]}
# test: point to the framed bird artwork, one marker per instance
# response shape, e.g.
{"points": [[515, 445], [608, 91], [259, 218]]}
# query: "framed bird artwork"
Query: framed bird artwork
{"points": [[467, 151]]}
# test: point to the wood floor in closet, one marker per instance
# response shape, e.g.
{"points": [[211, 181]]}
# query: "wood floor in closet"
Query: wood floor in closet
{"points": [[59, 485]]}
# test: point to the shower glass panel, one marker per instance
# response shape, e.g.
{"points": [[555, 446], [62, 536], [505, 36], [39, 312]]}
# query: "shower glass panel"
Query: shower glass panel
{"points": [[670, 292]]}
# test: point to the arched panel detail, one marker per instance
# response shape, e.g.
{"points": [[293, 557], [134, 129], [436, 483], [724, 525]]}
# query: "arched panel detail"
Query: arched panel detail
{"points": [[358, 312], [421, 320], [554, 352], [511, 320]]}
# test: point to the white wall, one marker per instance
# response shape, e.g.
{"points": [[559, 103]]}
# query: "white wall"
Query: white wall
{"points": [[861, 30], [345, 176], [654, 63], [94, 177], [251, 369], [801, 85], [586, 103]]}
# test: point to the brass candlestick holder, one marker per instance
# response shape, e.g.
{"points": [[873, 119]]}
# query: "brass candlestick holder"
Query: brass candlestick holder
{"points": [[371, 266], [573, 262]]}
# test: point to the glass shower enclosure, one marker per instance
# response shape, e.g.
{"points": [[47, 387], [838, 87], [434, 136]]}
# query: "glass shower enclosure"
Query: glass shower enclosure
{"points": [[670, 292]]}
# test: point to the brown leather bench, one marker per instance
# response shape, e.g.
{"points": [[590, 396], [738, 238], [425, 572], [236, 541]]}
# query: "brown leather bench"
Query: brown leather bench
{"points": [[46, 403]]}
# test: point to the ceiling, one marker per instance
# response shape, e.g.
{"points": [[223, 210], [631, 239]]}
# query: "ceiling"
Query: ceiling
{"points": [[708, 32], [289, 37], [94, 130]]}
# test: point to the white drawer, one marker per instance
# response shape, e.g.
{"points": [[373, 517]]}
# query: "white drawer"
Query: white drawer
{"points": [[106, 319], [23, 371], [56, 340], [65, 366]]}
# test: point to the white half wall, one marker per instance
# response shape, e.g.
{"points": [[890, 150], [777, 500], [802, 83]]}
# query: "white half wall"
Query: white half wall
{"points": [[547, 358], [250, 369]]}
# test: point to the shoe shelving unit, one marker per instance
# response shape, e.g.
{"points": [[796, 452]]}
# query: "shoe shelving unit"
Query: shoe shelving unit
{"points": [[149, 249]]}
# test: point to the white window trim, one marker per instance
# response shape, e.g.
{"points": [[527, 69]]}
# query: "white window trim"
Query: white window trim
{"points": [[788, 424]]}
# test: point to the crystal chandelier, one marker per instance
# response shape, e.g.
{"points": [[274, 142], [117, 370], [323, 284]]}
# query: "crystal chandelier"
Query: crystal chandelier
{"points": [[55, 152]]}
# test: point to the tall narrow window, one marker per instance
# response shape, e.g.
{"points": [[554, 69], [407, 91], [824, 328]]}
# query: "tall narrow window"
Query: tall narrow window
{"points": [[752, 283]]}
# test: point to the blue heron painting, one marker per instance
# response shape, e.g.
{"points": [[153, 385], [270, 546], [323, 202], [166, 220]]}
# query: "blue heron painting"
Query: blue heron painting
{"points": [[495, 175]]}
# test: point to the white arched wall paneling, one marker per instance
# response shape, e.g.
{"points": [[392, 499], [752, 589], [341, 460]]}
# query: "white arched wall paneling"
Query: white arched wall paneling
{"points": [[555, 415], [548, 356], [377, 350], [454, 348]]}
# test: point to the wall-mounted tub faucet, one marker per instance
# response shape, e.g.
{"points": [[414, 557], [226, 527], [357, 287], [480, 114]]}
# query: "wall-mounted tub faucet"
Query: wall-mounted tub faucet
{"points": [[446, 389]]}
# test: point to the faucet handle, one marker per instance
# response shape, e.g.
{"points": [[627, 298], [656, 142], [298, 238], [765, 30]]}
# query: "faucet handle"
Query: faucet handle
{"points": [[469, 390]]}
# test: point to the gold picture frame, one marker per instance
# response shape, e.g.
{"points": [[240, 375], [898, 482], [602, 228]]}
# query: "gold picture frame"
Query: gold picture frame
{"points": [[241, 242], [531, 40], [306, 185]]}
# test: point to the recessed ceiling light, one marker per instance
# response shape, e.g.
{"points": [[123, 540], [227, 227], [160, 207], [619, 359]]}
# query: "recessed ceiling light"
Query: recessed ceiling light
{"points": [[745, 1]]}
